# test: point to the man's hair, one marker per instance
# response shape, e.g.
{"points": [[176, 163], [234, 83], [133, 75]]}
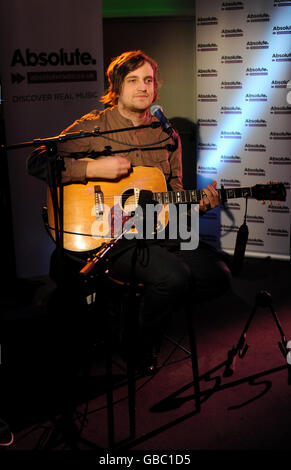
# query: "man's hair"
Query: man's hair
{"points": [[120, 67]]}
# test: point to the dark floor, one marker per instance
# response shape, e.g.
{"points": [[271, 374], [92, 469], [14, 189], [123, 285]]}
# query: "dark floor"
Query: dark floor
{"points": [[248, 411]]}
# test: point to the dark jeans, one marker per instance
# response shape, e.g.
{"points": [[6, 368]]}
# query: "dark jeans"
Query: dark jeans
{"points": [[168, 272]]}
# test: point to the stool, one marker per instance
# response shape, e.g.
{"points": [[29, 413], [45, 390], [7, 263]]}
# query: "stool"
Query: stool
{"points": [[132, 295]]}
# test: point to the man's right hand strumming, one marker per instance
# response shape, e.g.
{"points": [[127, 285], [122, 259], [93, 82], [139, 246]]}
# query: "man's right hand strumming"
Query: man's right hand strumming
{"points": [[108, 168]]}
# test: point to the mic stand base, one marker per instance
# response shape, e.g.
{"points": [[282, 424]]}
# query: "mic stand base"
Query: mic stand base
{"points": [[263, 299]]}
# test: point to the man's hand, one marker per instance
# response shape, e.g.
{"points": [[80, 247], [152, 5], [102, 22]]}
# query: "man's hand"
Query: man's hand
{"points": [[210, 198], [108, 168]]}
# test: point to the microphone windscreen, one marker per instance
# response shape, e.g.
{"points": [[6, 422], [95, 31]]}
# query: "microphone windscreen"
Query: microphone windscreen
{"points": [[154, 108], [240, 248]]}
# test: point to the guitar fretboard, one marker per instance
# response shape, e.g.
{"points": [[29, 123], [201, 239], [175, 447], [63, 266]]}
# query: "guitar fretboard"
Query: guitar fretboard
{"points": [[194, 195]]}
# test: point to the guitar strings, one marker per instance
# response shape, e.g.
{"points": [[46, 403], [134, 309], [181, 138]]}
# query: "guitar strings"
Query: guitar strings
{"points": [[197, 193]]}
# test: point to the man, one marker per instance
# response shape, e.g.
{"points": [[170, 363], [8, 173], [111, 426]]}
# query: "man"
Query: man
{"points": [[168, 272]]}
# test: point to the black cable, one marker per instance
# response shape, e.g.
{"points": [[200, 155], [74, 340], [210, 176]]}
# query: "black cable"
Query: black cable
{"points": [[134, 145]]}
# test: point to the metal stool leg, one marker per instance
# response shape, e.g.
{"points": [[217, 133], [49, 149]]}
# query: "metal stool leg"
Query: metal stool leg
{"points": [[132, 307], [131, 397], [190, 319], [109, 386]]}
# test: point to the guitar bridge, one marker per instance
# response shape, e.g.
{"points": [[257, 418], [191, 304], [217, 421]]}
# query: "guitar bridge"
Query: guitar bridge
{"points": [[99, 201]]}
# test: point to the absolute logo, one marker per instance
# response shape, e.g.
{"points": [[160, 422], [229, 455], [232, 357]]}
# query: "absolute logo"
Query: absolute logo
{"points": [[207, 73], [282, 29], [207, 170], [55, 58], [254, 172], [280, 110], [231, 85], [228, 228], [277, 232], [279, 83], [230, 159], [232, 206], [256, 97], [285, 57], [232, 33], [280, 161], [231, 59], [232, 6], [207, 122], [207, 146], [207, 97], [280, 135], [278, 209], [256, 219], [206, 21], [255, 242], [58, 58], [257, 45], [230, 135], [282, 3], [257, 17], [256, 71], [230, 110], [207, 47], [255, 123], [230, 182], [255, 148]]}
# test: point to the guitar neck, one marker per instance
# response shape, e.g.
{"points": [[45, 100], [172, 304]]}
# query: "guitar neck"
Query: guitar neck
{"points": [[195, 195]]}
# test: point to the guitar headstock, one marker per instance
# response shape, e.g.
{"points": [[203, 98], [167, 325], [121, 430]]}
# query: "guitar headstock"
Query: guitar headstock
{"points": [[270, 191]]}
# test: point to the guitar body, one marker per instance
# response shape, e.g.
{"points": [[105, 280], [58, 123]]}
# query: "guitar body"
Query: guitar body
{"points": [[97, 212], [89, 210]]}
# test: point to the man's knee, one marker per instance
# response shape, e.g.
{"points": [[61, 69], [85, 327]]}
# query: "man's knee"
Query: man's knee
{"points": [[213, 283], [175, 281]]}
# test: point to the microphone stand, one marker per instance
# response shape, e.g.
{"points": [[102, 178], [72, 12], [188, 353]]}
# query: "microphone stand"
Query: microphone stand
{"points": [[55, 166]]}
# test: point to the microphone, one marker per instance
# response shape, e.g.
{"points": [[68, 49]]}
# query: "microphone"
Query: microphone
{"points": [[157, 111]]}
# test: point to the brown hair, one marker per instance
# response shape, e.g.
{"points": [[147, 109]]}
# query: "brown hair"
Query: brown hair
{"points": [[120, 67]]}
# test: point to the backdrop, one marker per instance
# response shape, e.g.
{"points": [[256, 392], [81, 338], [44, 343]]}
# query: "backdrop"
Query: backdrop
{"points": [[244, 126]]}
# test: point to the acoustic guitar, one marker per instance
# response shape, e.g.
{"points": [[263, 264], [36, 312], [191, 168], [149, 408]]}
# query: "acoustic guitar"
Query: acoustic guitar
{"points": [[90, 211]]}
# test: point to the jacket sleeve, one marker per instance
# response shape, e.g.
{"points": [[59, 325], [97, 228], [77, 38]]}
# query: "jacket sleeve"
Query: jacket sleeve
{"points": [[36, 163], [74, 171]]}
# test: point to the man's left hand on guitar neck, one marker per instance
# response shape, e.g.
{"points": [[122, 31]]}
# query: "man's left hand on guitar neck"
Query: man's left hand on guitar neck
{"points": [[210, 198]]}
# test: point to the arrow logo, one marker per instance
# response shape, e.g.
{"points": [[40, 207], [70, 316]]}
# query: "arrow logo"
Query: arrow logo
{"points": [[17, 78]]}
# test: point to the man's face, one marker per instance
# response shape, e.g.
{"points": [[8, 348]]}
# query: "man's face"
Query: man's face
{"points": [[137, 90]]}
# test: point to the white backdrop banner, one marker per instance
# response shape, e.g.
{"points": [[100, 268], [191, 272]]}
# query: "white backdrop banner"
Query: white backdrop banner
{"points": [[51, 73], [244, 117]]}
